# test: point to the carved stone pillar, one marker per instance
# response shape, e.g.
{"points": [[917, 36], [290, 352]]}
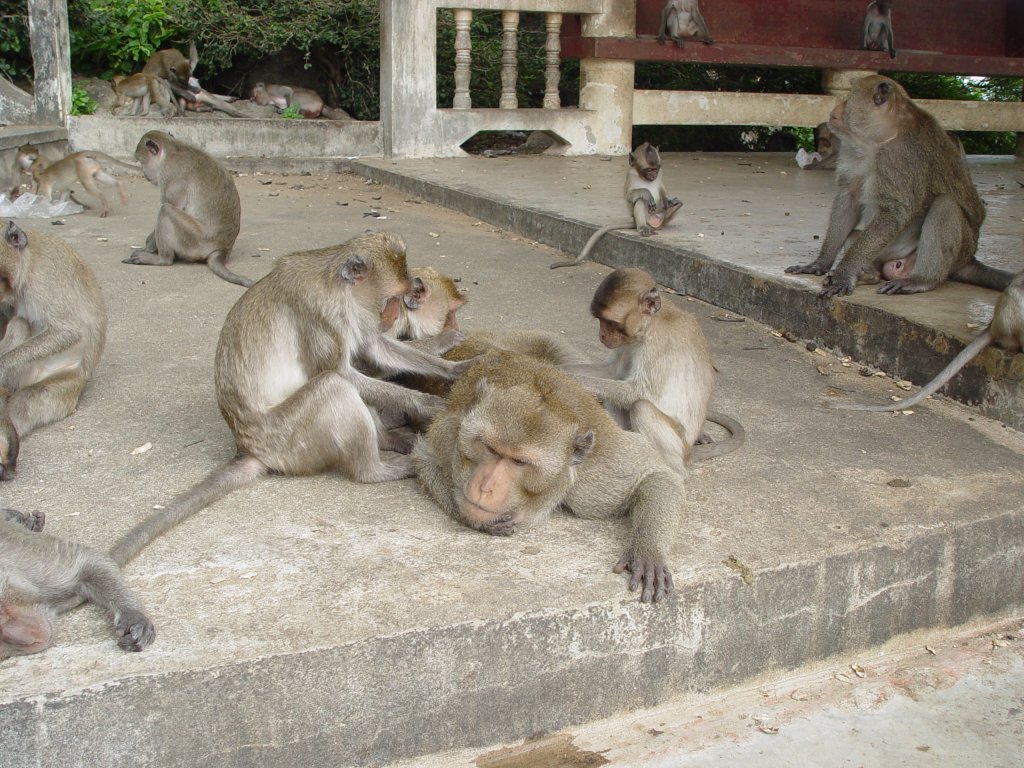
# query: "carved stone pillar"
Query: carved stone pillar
{"points": [[552, 65], [463, 58], [509, 64]]}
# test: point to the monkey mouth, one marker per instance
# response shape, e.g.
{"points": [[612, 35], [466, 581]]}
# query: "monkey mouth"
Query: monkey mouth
{"points": [[476, 516], [650, 174]]}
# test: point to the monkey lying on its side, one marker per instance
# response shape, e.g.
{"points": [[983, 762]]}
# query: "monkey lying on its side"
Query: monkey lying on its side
{"points": [[42, 575]]}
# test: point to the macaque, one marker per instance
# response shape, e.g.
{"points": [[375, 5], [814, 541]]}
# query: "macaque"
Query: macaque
{"points": [[426, 311], [646, 198], [286, 381], [681, 19], [906, 187], [826, 144], [143, 88], [660, 378], [87, 168], [53, 339], [877, 33], [42, 575], [27, 154], [200, 212], [172, 66], [519, 439], [309, 103], [1006, 330], [208, 102]]}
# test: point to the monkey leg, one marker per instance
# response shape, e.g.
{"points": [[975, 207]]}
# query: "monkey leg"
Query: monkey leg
{"points": [[663, 214], [112, 181], [323, 426], [100, 582], [16, 333], [177, 235], [641, 212], [44, 402], [945, 240], [34, 522], [89, 182]]}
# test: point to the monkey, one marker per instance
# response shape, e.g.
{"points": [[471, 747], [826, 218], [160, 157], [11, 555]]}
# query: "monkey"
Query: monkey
{"points": [[200, 211], [519, 439], [660, 378], [88, 168], [53, 339], [286, 384], [682, 18], [904, 183], [1006, 330], [426, 311], [172, 66], [826, 144], [26, 155], [206, 101], [309, 103], [43, 575], [646, 198], [877, 33], [142, 88]]}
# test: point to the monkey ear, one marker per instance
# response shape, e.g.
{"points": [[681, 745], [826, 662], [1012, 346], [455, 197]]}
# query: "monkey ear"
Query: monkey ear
{"points": [[354, 270], [650, 302], [632, 160], [582, 446], [416, 294], [882, 92], [152, 147], [15, 236]]}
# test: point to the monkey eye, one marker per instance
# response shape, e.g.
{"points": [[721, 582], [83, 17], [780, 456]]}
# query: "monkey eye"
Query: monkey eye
{"points": [[520, 462]]}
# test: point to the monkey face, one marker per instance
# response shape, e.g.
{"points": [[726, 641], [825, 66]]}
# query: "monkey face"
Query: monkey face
{"points": [[612, 334], [23, 630], [868, 116]]}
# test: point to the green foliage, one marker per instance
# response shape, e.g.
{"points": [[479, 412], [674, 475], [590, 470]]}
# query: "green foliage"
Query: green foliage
{"points": [[15, 54], [117, 36], [81, 102], [291, 112]]}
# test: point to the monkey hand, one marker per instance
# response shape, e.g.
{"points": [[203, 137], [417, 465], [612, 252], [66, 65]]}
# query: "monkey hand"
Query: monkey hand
{"points": [[446, 340], [499, 526], [134, 630], [652, 573], [836, 284], [645, 231], [425, 406], [905, 285]]}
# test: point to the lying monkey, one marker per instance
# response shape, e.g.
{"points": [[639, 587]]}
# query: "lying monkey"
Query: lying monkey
{"points": [[646, 198], [42, 575], [1006, 330], [519, 439]]}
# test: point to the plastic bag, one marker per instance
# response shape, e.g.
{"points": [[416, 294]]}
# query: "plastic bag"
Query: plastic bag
{"points": [[29, 206], [805, 158]]}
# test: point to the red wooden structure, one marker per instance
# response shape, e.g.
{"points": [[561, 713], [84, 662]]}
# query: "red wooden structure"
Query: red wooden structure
{"points": [[968, 37]]}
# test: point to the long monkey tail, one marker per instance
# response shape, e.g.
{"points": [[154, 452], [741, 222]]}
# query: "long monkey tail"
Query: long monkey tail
{"points": [[216, 262], [590, 245], [966, 355], [237, 473], [737, 436]]}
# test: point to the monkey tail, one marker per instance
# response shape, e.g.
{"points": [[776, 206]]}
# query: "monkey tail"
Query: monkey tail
{"points": [[737, 436], [103, 157], [220, 269], [977, 273], [237, 473], [589, 246], [966, 355]]}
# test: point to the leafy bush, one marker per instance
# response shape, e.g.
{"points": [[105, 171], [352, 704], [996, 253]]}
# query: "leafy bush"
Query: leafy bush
{"points": [[81, 102], [15, 54], [291, 112], [117, 36]]}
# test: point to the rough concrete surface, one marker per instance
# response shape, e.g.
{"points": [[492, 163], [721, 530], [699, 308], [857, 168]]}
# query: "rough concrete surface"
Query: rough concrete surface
{"points": [[319, 622]]}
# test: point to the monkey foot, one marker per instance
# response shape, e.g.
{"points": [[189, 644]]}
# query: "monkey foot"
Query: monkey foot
{"points": [[704, 439], [655, 577], [134, 631], [909, 285], [806, 269]]}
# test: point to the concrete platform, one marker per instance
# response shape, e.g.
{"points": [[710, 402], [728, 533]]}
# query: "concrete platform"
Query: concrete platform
{"points": [[320, 622]]}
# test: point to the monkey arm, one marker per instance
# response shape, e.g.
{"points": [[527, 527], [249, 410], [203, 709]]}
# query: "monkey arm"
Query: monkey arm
{"points": [[39, 347], [621, 394], [393, 356], [845, 212], [437, 345], [655, 509], [385, 395], [665, 11]]}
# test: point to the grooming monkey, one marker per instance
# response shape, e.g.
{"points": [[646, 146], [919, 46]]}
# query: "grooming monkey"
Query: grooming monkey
{"points": [[200, 212], [286, 384], [645, 195], [171, 65], [905, 184], [87, 168], [519, 439], [681, 19], [660, 378], [877, 32], [1006, 330], [42, 575], [53, 338], [143, 88]]}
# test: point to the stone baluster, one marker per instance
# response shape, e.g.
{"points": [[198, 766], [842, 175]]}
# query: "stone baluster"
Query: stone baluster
{"points": [[509, 66], [463, 57], [552, 70]]}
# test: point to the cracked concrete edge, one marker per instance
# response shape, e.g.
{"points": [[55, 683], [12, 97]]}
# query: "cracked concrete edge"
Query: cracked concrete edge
{"points": [[477, 683], [899, 346]]}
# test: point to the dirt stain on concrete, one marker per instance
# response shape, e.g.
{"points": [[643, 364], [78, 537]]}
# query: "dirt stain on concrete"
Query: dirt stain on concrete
{"points": [[556, 751]]}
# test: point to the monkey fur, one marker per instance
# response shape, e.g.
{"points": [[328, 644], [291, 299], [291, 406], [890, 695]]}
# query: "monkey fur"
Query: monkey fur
{"points": [[876, 34], [905, 185], [518, 439], [143, 88], [681, 19], [87, 168]]}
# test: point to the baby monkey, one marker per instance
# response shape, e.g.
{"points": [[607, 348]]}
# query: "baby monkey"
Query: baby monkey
{"points": [[877, 32], [645, 196], [87, 168]]}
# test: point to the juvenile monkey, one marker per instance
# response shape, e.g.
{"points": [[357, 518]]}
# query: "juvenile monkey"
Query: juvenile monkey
{"points": [[1006, 330], [87, 168], [681, 19], [53, 339], [27, 154], [877, 32], [660, 378], [200, 212], [41, 575], [519, 439], [646, 198], [906, 186], [172, 66], [143, 88], [286, 382], [309, 103], [426, 311], [826, 144]]}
